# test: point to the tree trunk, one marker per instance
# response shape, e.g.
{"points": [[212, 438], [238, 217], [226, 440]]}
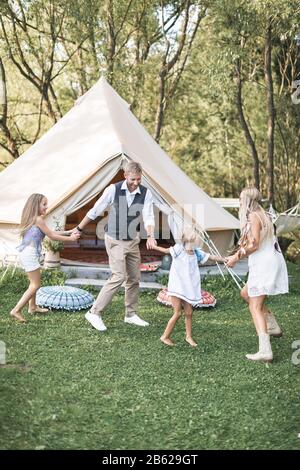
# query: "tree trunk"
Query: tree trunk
{"points": [[250, 141], [161, 105], [11, 145], [167, 66], [287, 167], [49, 108], [111, 42], [271, 109]]}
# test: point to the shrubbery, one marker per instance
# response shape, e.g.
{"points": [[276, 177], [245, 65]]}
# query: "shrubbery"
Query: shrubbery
{"points": [[18, 281]]}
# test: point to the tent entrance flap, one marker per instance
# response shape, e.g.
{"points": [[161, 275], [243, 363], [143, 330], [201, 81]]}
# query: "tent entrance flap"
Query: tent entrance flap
{"points": [[92, 229], [91, 190]]}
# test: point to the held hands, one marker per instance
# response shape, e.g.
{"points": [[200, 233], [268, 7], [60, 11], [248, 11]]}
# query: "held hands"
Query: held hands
{"points": [[74, 236], [151, 243], [230, 261], [76, 232]]}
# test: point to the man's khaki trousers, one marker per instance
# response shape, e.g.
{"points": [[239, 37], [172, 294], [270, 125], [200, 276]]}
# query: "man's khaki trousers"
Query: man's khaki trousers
{"points": [[124, 262]]}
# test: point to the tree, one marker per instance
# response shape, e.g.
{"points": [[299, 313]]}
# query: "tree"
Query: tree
{"points": [[174, 58], [10, 145]]}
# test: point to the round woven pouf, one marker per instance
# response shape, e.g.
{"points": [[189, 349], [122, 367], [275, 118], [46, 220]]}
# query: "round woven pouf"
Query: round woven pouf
{"points": [[64, 298], [207, 299]]}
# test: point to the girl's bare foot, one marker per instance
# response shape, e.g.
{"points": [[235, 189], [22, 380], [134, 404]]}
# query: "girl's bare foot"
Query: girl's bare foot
{"points": [[38, 310], [167, 341], [18, 316], [191, 341]]}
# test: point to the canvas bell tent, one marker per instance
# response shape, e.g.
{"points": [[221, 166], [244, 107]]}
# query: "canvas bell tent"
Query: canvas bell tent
{"points": [[83, 152]]}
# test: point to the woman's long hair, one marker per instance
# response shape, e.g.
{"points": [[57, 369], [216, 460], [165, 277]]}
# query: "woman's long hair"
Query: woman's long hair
{"points": [[30, 212], [250, 202]]}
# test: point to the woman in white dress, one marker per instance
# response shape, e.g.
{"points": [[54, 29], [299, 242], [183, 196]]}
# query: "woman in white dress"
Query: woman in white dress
{"points": [[184, 285], [267, 269]]}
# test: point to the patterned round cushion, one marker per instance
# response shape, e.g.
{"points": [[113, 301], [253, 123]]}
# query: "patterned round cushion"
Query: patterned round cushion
{"points": [[208, 300], [149, 267], [64, 298]]}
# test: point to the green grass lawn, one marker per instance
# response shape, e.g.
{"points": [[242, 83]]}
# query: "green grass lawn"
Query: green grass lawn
{"points": [[67, 386]]}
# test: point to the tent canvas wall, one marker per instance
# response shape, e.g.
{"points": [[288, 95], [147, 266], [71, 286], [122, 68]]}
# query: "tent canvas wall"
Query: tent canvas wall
{"points": [[79, 156]]}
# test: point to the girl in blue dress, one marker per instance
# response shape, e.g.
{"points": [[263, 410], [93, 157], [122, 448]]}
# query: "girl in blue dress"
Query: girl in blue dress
{"points": [[33, 230]]}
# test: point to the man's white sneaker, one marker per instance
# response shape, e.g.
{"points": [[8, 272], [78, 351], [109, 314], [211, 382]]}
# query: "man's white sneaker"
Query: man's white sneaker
{"points": [[136, 320], [95, 321]]}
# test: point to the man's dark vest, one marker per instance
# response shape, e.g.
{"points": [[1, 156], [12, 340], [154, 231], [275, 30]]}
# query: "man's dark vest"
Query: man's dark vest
{"points": [[123, 221]]}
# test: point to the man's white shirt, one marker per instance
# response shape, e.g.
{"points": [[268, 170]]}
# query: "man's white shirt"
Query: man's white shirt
{"points": [[108, 197]]}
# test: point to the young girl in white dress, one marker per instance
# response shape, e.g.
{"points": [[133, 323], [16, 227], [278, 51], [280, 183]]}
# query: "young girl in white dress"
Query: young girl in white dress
{"points": [[267, 269], [32, 230], [184, 285]]}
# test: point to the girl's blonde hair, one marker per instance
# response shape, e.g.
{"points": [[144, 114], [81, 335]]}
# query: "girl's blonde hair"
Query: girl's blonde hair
{"points": [[30, 212], [190, 237], [250, 199]]}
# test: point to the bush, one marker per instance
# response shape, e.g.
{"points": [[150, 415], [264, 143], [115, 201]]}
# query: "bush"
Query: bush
{"points": [[163, 279], [293, 252], [53, 245], [53, 277], [284, 243], [17, 280]]}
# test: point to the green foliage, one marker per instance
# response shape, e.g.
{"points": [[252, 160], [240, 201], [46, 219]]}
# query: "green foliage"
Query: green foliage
{"points": [[17, 279], [14, 279], [54, 245], [125, 41], [53, 277], [203, 131], [293, 251], [290, 246], [163, 279]]}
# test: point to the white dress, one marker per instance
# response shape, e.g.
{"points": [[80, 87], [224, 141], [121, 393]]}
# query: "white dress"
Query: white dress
{"points": [[267, 269], [184, 277]]}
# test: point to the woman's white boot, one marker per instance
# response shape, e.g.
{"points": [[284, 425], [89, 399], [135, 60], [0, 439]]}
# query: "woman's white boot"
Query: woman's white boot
{"points": [[272, 326], [265, 351]]}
